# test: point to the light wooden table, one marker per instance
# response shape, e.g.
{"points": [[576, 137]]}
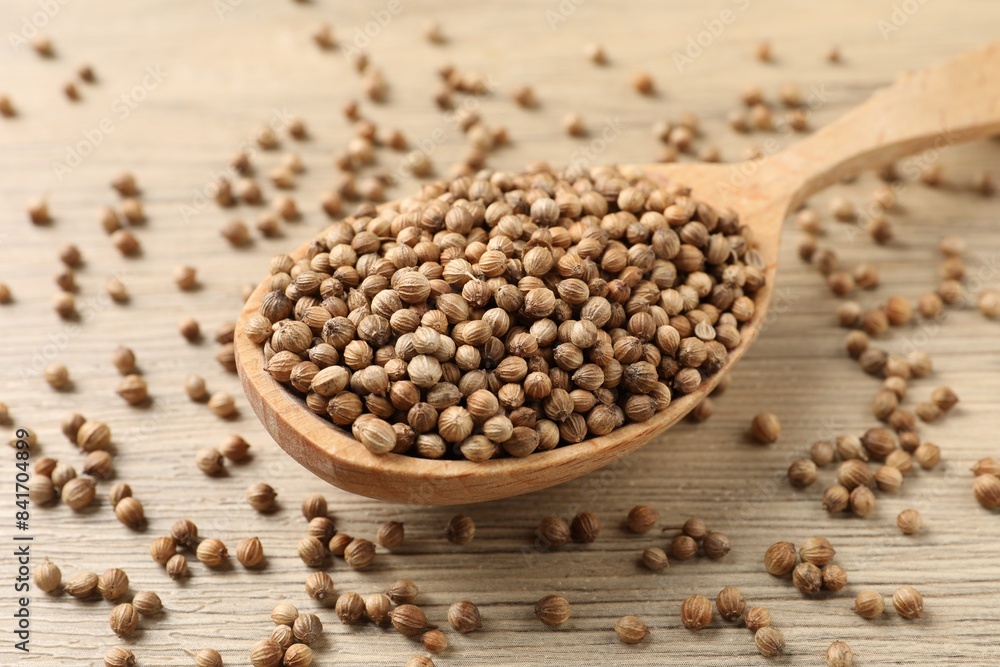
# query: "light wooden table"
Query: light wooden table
{"points": [[224, 76]]}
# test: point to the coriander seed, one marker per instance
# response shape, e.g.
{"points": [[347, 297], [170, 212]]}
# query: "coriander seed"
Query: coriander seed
{"points": [[765, 428], [553, 532], [730, 603], [177, 567], [655, 559], [250, 552], [207, 657], [350, 608], [434, 641], [695, 528], [780, 558], [311, 551], [130, 512], [81, 585], [408, 620], [313, 506], [297, 655], [402, 591], [908, 601], [641, 519], [463, 616], [57, 375], [770, 641], [185, 533], [868, 605], [631, 630], [119, 656], [209, 461], [862, 501], [162, 549], [834, 577], [322, 529], [807, 578], [78, 493], [307, 628], [124, 360], [147, 603], [757, 618], [47, 576], [284, 614], [212, 552], [817, 550], [716, 545], [123, 619], [266, 653], [552, 610], [319, 586], [460, 529], [359, 554], [133, 389], [683, 547], [235, 448], [802, 473], [390, 534], [839, 654], [585, 527], [261, 496], [696, 612], [377, 608], [986, 488]]}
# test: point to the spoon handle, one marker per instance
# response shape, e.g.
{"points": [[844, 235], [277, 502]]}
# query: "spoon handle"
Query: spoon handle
{"points": [[949, 102]]}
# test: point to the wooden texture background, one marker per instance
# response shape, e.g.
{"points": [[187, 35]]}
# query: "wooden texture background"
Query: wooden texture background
{"points": [[227, 68]]}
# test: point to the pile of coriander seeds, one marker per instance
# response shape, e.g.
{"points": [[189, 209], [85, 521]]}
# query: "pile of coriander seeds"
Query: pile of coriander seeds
{"points": [[509, 313]]}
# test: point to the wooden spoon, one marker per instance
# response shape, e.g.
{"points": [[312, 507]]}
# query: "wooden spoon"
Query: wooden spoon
{"points": [[957, 100]]}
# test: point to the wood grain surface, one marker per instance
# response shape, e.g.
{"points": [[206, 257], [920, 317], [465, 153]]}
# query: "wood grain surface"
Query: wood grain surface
{"points": [[212, 76]]}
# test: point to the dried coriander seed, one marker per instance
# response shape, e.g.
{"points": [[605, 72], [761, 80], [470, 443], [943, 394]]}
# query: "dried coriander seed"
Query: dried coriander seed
{"points": [[834, 577], [839, 654], [807, 578], [133, 389], [460, 529], [730, 603], [250, 552], [177, 567], [631, 630], [319, 586], [553, 532], [81, 585], [390, 534], [408, 620], [464, 617], [683, 547], [765, 428], [716, 545], [780, 558], [235, 448], [212, 552], [403, 591], [313, 506], [862, 501], [284, 614], [585, 527], [147, 603], [119, 656], [307, 628], [641, 519], [986, 488], [434, 641], [209, 461], [655, 559], [770, 641], [47, 576], [377, 608], [757, 618], [266, 653], [552, 610], [123, 359], [908, 601], [130, 512], [123, 619], [162, 549], [359, 554], [868, 605], [312, 552], [261, 496], [817, 550], [78, 493], [297, 655], [696, 612], [207, 657], [802, 473], [350, 608]]}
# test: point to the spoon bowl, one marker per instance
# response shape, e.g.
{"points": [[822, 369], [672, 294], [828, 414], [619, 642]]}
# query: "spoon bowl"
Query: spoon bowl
{"points": [[954, 101]]}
